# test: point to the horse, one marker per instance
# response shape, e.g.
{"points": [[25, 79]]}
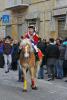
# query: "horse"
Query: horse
{"points": [[27, 61]]}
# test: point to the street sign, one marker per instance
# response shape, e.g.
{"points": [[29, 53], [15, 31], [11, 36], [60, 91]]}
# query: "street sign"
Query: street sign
{"points": [[5, 19]]}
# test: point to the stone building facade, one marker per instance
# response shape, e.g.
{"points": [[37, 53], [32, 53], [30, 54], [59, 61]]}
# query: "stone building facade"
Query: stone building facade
{"points": [[48, 16]]}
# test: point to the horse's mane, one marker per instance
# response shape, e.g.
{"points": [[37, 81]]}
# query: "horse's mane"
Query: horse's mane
{"points": [[26, 41]]}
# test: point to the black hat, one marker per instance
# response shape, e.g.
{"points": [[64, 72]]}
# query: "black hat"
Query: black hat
{"points": [[31, 26]]}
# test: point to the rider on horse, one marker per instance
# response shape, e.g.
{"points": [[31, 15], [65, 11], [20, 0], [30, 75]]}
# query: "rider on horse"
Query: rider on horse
{"points": [[31, 34], [33, 38]]}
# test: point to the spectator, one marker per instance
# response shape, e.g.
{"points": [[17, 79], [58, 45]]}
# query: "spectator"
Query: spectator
{"points": [[52, 54], [65, 58], [15, 55], [1, 54], [42, 46], [20, 72], [7, 53], [65, 61], [59, 65]]}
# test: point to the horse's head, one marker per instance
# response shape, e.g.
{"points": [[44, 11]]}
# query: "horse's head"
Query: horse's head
{"points": [[26, 47], [26, 50]]}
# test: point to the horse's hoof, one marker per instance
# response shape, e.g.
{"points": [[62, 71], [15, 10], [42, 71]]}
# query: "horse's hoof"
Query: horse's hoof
{"points": [[24, 90], [34, 88]]}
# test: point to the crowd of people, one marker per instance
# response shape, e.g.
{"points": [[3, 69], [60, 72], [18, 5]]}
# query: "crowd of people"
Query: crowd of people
{"points": [[55, 58], [54, 55]]}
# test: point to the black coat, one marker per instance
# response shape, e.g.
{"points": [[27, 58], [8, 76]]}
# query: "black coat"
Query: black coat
{"points": [[15, 52], [52, 51], [42, 46]]}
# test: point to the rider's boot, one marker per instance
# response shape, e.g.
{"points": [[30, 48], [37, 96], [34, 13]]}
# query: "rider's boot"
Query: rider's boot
{"points": [[36, 55]]}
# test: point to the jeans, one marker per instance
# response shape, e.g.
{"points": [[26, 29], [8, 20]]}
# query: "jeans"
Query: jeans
{"points": [[41, 73], [59, 68], [7, 61], [19, 72], [51, 62]]}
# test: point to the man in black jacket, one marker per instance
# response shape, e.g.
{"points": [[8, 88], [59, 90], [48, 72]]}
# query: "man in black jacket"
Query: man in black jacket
{"points": [[52, 54], [42, 46]]}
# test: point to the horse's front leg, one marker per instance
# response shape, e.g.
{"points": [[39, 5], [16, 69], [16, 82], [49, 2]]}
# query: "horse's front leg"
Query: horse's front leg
{"points": [[25, 80]]}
